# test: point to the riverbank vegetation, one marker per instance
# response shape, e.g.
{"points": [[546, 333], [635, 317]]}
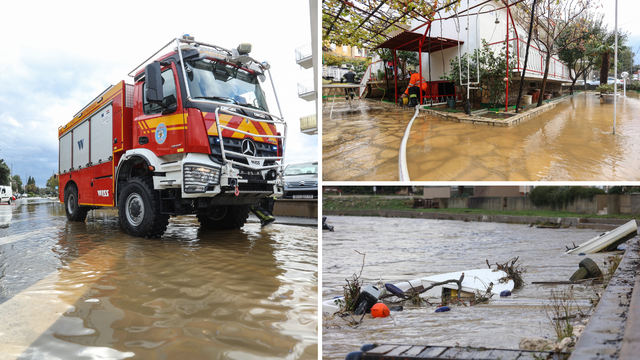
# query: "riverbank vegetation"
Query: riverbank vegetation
{"points": [[383, 203]]}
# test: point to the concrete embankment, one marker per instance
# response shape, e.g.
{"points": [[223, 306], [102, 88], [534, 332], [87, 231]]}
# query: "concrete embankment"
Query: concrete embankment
{"points": [[613, 331], [578, 222]]}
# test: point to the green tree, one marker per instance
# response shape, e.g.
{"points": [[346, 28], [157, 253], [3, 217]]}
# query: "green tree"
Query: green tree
{"points": [[351, 22], [17, 181], [5, 173], [52, 183], [576, 50], [31, 185], [555, 18]]}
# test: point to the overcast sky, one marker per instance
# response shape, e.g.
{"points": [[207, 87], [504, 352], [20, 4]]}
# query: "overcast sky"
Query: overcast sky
{"points": [[58, 55], [628, 21]]}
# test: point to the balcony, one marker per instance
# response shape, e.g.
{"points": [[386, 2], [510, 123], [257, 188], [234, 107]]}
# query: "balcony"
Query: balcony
{"points": [[307, 91], [304, 56], [558, 71], [309, 125]]}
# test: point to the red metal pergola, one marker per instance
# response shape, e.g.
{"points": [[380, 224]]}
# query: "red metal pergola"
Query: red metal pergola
{"points": [[378, 22], [416, 42]]}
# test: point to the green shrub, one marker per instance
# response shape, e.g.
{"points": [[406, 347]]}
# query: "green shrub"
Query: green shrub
{"points": [[605, 88], [558, 196]]}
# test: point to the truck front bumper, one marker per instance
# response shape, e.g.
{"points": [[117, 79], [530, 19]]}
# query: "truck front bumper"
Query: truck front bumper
{"points": [[198, 176]]}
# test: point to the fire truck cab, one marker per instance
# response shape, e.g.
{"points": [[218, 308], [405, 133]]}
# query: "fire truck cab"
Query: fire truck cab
{"points": [[192, 135]]}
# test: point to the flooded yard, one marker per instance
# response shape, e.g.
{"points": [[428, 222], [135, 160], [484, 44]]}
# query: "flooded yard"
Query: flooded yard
{"points": [[88, 291], [399, 249], [572, 142]]}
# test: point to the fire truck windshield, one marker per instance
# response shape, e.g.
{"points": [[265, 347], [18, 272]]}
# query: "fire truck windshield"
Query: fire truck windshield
{"points": [[219, 81]]}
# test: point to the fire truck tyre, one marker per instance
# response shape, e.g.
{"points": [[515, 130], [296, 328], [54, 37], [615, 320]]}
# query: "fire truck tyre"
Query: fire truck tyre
{"points": [[74, 211], [591, 267], [139, 209], [229, 217]]}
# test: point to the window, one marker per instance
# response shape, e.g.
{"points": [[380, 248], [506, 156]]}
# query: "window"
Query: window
{"points": [[168, 90]]}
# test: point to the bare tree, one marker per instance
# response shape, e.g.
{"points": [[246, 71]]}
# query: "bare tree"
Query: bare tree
{"points": [[555, 18]]}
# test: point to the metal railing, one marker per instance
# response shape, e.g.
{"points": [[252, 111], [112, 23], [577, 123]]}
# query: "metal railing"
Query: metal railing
{"points": [[309, 122], [303, 52], [305, 88], [536, 61]]}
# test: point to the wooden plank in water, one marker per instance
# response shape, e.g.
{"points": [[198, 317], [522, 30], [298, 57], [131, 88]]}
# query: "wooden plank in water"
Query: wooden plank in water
{"points": [[503, 354], [414, 351], [399, 351], [408, 352], [432, 352], [382, 349]]}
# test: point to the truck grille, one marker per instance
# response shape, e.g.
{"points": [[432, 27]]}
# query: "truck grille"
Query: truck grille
{"points": [[235, 145]]}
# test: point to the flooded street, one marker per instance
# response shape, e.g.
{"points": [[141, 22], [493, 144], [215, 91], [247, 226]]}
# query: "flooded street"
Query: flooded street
{"points": [[400, 249], [571, 142], [88, 291]]}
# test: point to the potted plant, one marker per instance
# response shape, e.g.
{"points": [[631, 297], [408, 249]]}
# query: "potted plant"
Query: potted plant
{"points": [[606, 93]]}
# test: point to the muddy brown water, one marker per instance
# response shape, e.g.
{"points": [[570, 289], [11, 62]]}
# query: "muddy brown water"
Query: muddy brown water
{"points": [[399, 249], [88, 291], [572, 142]]}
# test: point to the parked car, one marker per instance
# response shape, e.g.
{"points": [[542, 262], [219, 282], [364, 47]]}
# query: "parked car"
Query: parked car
{"points": [[5, 194], [594, 82], [301, 181], [610, 80]]}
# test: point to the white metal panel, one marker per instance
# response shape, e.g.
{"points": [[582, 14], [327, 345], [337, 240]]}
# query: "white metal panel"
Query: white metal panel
{"points": [[101, 135], [65, 153], [81, 145]]}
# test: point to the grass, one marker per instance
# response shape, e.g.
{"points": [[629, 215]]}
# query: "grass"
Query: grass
{"points": [[380, 203]]}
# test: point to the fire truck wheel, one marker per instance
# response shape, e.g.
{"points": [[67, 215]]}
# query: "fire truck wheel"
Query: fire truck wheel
{"points": [[139, 209], [227, 217], [74, 211]]}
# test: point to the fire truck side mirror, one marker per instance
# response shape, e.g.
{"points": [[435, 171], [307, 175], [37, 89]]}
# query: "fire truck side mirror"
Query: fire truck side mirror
{"points": [[153, 79]]}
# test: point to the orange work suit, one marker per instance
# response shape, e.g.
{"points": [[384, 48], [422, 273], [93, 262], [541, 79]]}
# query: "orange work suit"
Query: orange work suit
{"points": [[417, 80]]}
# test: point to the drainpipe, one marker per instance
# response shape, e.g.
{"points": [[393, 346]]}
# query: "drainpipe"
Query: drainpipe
{"points": [[615, 79], [506, 97], [395, 70]]}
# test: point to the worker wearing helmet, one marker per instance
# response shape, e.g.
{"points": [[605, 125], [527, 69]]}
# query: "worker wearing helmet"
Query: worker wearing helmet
{"points": [[415, 83]]}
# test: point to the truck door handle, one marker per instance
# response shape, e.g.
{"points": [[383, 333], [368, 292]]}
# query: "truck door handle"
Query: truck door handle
{"points": [[115, 141], [143, 140]]}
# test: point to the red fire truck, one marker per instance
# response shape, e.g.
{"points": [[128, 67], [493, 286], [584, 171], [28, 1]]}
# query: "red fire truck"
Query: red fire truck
{"points": [[192, 135]]}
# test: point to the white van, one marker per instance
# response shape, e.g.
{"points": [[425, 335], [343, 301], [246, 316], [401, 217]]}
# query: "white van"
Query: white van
{"points": [[5, 194]]}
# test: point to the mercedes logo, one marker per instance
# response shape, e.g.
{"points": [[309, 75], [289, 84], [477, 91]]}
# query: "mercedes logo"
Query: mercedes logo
{"points": [[248, 147]]}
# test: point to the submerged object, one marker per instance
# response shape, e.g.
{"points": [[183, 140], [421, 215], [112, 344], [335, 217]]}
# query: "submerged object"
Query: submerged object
{"points": [[607, 241], [474, 280], [367, 298], [393, 289], [442, 309], [380, 310], [325, 226], [505, 293]]}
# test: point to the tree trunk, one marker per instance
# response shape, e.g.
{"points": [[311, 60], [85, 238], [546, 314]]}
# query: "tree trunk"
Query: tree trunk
{"points": [[604, 70], [544, 78]]}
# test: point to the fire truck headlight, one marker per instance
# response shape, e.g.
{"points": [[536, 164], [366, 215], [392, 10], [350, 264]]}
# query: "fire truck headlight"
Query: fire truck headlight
{"points": [[198, 178]]}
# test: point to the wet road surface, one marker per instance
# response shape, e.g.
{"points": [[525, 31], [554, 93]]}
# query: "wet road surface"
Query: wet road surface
{"points": [[572, 142], [88, 291], [400, 249]]}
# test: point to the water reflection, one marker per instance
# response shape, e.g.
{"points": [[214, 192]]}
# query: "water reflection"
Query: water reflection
{"points": [[399, 249], [193, 294], [5, 216]]}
